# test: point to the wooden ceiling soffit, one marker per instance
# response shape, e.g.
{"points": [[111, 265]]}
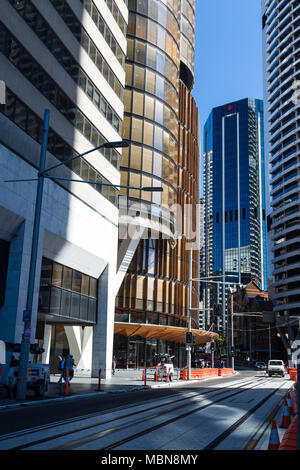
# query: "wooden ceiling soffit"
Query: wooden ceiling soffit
{"points": [[168, 333]]}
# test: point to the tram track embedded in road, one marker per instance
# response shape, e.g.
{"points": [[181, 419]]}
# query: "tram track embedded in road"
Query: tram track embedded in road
{"points": [[216, 391]]}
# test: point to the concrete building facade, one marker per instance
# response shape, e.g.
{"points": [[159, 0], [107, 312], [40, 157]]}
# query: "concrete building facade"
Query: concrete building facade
{"points": [[281, 44], [68, 57]]}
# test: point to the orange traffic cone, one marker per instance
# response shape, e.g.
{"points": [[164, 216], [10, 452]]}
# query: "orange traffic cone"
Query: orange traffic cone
{"points": [[167, 378], [290, 405], [286, 419], [274, 442]]}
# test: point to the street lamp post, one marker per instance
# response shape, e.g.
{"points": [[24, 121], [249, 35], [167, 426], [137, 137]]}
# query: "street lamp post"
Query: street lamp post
{"points": [[42, 174]]}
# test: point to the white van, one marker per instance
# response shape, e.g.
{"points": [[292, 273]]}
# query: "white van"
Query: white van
{"points": [[275, 367]]}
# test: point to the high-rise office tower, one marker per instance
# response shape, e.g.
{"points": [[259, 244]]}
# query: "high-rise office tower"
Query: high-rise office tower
{"points": [[68, 57], [234, 192], [281, 45], [161, 123]]}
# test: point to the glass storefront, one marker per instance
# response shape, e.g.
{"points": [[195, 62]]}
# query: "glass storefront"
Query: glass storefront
{"points": [[135, 352]]}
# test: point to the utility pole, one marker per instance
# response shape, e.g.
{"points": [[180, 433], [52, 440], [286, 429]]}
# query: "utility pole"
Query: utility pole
{"points": [[25, 343]]}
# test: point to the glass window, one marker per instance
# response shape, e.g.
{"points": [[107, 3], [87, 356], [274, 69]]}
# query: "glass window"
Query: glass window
{"points": [[158, 138], [99, 61], [127, 100], [157, 165], [141, 27], [65, 303], [140, 52], [148, 134], [75, 305], [128, 70], [93, 287], [84, 171], [92, 310], [85, 41], [138, 103], [57, 275], [67, 278], [92, 52], [149, 107], [134, 181], [126, 127], [55, 300], [90, 89], [151, 32], [147, 160], [151, 57], [135, 157], [139, 77], [84, 306], [87, 129], [150, 82], [137, 130]]}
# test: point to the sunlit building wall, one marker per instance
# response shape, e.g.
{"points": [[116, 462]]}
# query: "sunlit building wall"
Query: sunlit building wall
{"points": [[281, 45], [67, 57]]}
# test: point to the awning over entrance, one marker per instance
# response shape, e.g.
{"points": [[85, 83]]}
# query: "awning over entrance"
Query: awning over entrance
{"points": [[168, 333]]}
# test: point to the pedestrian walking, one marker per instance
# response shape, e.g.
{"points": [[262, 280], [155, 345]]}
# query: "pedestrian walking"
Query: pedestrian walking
{"points": [[61, 368], [69, 365]]}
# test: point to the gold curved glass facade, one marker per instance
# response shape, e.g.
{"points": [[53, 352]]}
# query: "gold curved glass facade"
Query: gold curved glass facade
{"points": [[187, 27], [151, 101], [161, 124]]}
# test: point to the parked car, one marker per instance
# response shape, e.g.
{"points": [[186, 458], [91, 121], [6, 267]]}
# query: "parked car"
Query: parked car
{"points": [[260, 366], [276, 367], [38, 379]]}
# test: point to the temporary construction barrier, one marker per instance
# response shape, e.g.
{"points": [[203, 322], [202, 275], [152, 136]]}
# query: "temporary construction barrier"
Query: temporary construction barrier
{"points": [[289, 403], [292, 373], [274, 441], [289, 440], [286, 419], [199, 374]]}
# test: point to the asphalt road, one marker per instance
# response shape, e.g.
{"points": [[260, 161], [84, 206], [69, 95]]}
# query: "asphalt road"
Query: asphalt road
{"points": [[215, 414]]}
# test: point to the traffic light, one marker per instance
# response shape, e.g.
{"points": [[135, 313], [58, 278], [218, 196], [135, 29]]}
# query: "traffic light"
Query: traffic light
{"points": [[212, 346], [232, 351], [190, 338]]}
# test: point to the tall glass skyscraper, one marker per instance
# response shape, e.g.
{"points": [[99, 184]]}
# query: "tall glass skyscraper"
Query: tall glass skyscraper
{"points": [[234, 192]]}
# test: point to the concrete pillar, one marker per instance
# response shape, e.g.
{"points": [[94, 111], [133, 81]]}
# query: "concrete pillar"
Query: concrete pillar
{"points": [[80, 341], [11, 313], [103, 331], [47, 343]]}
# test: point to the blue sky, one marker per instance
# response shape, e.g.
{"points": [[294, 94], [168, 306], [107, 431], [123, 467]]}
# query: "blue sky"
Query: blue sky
{"points": [[228, 53]]}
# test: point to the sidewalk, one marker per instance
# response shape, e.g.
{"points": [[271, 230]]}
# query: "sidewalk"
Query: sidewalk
{"points": [[123, 381]]}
